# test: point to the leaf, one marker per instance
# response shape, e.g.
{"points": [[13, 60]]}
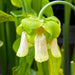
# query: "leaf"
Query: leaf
{"points": [[5, 17], [1, 43], [48, 12], [67, 15], [24, 64], [16, 45], [28, 7], [16, 3], [36, 5]]}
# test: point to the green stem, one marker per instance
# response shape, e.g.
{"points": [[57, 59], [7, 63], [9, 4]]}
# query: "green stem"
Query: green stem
{"points": [[23, 5], [53, 3], [43, 68], [72, 68]]}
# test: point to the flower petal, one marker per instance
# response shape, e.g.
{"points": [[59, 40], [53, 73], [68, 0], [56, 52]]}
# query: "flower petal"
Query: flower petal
{"points": [[41, 53], [54, 48], [23, 48]]}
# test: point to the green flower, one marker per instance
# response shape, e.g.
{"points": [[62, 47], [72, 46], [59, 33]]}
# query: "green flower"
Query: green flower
{"points": [[39, 32]]}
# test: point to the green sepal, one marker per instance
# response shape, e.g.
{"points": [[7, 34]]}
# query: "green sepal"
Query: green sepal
{"points": [[53, 18], [30, 38], [30, 24], [19, 29], [52, 26], [4, 17], [16, 3]]}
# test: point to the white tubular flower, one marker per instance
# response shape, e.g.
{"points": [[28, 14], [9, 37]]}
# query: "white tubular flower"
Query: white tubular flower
{"points": [[23, 48], [54, 48], [41, 53]]}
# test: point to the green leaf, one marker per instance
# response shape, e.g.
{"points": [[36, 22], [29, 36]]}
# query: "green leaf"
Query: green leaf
{"points": [[49, 11], [67, 15], [16, 3], [36, 5], [30, 24], [28, 7], [5, 17], [24, 64], [16, 45], [1, 43], [52, 26]]}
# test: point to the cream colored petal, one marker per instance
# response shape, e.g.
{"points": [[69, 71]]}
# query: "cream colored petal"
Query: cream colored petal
{"points": [[41, 53], [23, 48], [54, 48]]}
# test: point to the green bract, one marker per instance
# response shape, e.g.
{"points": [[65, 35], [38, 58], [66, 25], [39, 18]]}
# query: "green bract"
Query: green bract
{"points": [[30, 24], [30, 38], [19, 29], [50, 25]]}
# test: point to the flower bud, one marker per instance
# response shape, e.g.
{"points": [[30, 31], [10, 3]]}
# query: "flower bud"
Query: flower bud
{"points": [[23, 48], [41, 53]]}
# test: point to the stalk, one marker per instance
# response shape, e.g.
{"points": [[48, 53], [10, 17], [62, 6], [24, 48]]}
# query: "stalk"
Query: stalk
{"points": [[3, 55], [67, 13], [72, 68], [10, 38], [23, 5], [53, 3], [43, 68]]}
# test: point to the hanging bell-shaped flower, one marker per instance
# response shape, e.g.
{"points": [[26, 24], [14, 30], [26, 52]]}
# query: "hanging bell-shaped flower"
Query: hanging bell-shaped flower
{"points": [[23, 48], [41, 53], [54, 48]]}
